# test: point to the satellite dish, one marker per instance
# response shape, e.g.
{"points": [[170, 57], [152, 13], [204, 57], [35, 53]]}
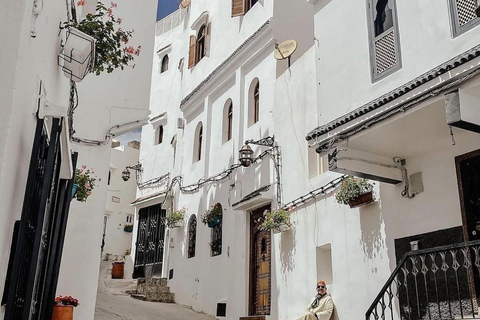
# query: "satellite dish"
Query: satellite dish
{"points": [[285, 49]]}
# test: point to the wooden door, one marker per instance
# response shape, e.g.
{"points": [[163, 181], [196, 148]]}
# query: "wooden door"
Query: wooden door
{"points": [[260, 266]]}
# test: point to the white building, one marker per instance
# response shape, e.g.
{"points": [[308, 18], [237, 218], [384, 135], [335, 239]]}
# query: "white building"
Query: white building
{"points": [[118, 220], [366, 85], [107, 105]]}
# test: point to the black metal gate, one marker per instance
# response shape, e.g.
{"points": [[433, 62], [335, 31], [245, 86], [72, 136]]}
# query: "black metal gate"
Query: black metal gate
{"points": [[150, 242], [37, 245]]}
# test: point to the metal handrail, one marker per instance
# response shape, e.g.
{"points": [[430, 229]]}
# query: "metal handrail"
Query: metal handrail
{"points": [[403, 261]]}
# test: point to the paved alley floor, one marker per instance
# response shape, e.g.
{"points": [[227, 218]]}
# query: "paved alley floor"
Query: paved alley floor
{"points": [[114, 304]]}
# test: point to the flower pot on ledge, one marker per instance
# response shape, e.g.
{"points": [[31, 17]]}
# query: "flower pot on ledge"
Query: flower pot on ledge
{"points": [[281, 228], [177, 224], [361, 200], [61, 312]]}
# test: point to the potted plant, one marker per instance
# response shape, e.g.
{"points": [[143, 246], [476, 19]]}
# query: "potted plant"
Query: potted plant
{"points": [[111, 50], [213, 217], [84, 180], [176, 218], [355, 192], [276, 220], [128, 227], [63, 308]]}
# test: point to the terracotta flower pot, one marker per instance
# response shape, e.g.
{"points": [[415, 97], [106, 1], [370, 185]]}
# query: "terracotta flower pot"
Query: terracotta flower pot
{"points": [[61, 312], [361, 200], [117, 270]]}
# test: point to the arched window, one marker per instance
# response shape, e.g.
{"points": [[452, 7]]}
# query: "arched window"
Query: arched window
{"points": [[254, 102], [197, 149], [216, 236], [227, 121], [160, 134], [201, 43], [164, 64], [192, 236]]}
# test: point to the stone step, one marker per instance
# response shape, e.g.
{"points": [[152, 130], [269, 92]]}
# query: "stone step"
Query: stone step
{"points": [[138, 296], [161, 297]]}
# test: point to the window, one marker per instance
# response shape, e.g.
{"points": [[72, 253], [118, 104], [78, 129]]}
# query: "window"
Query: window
{"points": [[254, 102], [164, 64], [160, 134], [241, 7], [227, 121], [198, 44], [129, 219], [384, 39], [463, 16], [192, 236], [109, 177], [216, 236], [197, 150]]}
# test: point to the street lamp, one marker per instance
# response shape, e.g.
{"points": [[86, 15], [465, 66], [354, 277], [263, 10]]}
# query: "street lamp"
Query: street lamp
{"points": [[246, 152], [126, 172]]}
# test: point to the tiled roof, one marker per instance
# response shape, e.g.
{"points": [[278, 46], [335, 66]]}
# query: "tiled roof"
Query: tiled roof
{"points": [[252, 194], [148, 197], [394, 94]]}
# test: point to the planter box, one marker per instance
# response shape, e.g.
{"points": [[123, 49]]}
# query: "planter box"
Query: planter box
{"points": [[361, 200], [281, 228], [62, 312], [177, 224]]}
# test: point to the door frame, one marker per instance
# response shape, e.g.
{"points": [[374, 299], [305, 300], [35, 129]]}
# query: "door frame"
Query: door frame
{"points": [[254, 214], [458, 159]]}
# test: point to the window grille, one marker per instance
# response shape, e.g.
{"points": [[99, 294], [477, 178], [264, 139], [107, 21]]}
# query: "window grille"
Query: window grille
{"points": [[463, 16], [384, 40], [192, 236], [216, 236]]}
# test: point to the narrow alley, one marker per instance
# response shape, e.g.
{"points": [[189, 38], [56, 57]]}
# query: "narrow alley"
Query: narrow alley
{"points": [[114, 304]]}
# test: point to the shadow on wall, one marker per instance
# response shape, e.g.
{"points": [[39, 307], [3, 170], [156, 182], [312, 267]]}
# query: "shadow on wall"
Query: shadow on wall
{"points": [[371, 221], [287, 252]]}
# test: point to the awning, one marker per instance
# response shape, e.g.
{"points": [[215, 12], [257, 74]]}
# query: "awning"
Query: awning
{"points": [[149, 197]]}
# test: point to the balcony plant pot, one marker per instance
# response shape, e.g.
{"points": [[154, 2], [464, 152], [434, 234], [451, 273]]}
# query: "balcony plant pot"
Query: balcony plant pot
{"points": [[281, 228], [361, 200], [177, 224], [74, 190], [61, 312], [214, 223]]}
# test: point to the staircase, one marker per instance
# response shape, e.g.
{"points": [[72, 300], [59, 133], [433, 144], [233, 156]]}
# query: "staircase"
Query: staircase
{"points": [[153, 289], [436, 283]]}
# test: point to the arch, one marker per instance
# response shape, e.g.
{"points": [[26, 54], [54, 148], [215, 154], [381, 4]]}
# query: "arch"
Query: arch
{"points": [[197, 148], [192, 236], [164, 66], [216, 235], [254, 102], [201, 36], [227, 120]]}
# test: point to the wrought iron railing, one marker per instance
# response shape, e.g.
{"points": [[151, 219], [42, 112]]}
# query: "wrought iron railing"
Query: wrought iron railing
{"points": [[436, 283]]}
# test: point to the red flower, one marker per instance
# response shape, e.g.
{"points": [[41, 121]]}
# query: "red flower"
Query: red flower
{"points": [[81, 3], [114, 5], [130, 50], [119, 20]]}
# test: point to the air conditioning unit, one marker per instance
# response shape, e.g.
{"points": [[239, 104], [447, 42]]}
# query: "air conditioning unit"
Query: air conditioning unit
{"points": [[180, 123]]}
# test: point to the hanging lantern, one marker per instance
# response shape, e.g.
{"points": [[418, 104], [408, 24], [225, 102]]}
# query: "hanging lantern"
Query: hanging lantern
{"points": [[246, 156], [125, 174], [76, 55]]}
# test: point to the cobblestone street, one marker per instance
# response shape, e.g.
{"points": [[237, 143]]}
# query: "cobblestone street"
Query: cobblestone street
{"points": [[114, 304]]}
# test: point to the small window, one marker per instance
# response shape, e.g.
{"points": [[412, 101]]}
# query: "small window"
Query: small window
{"points": [[463, 16], [109, 177], [164, 64], [160, 134], [129, 219], [227, 121], [241, 7], [200, 44], [192, 236], [384, 38], [197, 151], [254, 102], [216, 236]]}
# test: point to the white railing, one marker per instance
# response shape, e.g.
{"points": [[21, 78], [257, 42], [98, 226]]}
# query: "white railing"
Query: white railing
{"points": [[169, 22]]}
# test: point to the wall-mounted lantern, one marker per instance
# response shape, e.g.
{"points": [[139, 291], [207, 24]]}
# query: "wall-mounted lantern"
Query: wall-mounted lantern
{"points": [[126, 172], [77, 54], [246, 153]]}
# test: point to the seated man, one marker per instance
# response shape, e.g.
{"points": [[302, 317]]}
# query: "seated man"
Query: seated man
{"points": [[321, 306]]}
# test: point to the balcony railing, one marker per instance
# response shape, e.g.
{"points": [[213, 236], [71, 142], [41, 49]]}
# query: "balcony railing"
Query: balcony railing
{"points": [[436, 283], [169, 22]]}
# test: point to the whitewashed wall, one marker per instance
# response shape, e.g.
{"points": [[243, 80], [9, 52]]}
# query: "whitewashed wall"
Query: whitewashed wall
{"points": [[117, 241], [23, 61]]}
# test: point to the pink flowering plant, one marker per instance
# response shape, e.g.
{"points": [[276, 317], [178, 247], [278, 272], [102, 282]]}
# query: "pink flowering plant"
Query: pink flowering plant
{"points": [[274, 219], [111, 49], [85, 181]]}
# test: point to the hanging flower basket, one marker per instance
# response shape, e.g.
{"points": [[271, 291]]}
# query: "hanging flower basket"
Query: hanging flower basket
{"points": [[128, 228], [86, 181], [355, 192], [74, 190], [176, 218], [276, 220], [213, 217]]}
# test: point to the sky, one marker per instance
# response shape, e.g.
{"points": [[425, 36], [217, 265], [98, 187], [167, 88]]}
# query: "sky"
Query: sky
{"points": [[129, 136], [165, 7]]}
